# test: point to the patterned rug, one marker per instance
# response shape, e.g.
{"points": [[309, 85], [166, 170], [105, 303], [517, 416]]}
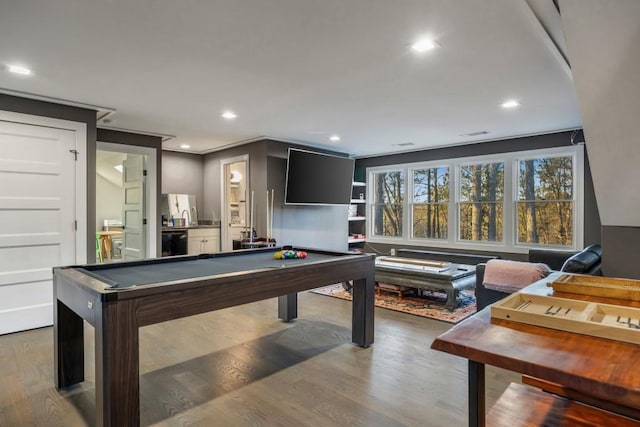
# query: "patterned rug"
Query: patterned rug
{"points": [[429, 304]]}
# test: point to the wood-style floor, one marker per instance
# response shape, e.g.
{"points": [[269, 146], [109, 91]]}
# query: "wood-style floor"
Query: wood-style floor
{"points": [[243, 367]]}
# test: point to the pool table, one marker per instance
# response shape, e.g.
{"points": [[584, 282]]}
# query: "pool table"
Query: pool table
{"points": [[119, 298]]}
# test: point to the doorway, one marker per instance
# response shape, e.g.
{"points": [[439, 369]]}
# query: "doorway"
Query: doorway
{"points": [[42, 214], [235, 200], [125, 202]]}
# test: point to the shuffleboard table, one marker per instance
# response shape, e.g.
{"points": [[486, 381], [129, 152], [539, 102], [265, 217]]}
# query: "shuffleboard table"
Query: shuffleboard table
{"points": [[598, 371], [117, 299]]}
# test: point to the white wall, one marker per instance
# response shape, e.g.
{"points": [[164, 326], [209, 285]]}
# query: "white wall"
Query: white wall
{"points": [[109, 201], [321, 227]]}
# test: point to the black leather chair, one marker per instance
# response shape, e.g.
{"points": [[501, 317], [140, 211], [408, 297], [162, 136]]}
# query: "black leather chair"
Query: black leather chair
{"points": [[587, 261]]}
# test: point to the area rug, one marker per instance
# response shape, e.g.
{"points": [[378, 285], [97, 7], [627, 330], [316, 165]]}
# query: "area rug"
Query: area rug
{"points": [[430, 304]]}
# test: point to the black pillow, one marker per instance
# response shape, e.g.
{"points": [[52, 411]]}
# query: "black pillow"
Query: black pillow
{"points": [[584, 260]]}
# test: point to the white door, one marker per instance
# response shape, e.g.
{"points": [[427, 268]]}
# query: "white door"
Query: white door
{"points": [[133, 220], [37, 219]]}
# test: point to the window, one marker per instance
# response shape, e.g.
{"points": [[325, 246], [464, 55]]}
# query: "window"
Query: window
{"points": [[545, 203], [430, 207], [508, 202], [481, 202], [388, 200]]}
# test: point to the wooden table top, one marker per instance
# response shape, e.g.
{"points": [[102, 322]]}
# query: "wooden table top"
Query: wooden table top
{"points": [[603, 368]]}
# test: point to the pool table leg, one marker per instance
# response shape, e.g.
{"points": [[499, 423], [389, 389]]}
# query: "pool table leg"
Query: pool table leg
{"points": [[476, 394], [117, 365], [68, 343], [288, 307], [363, 307]]}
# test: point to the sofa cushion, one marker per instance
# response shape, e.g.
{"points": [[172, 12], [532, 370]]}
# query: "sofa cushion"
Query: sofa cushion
{"points": [[584, 261], [555, 259], [511, 276]]}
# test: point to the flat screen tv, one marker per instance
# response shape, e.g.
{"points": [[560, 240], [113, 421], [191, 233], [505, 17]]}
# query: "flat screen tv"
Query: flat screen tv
{"points": [[318, 179]]}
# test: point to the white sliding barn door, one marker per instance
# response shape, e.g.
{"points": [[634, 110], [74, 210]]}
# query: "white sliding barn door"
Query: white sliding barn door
{"points": [[133, 241], [37, 219]]}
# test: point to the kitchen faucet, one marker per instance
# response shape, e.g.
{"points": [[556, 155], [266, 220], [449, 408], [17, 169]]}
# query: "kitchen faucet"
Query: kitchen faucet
{"points": [[188, 217]]}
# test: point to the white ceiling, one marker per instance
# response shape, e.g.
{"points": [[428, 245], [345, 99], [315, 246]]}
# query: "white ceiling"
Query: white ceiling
{"points": [[297, 70]]}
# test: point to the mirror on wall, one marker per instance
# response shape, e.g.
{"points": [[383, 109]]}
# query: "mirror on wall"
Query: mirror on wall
{"points": [[179, 210]]}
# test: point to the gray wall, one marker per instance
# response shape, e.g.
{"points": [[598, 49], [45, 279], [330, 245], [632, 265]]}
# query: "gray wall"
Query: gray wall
{"points": [[311, 226], [592, 226], [183, 173], [257, 179]]}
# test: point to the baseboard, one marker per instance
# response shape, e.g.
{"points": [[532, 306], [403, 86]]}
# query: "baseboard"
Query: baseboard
{"points": [[24, 318]]}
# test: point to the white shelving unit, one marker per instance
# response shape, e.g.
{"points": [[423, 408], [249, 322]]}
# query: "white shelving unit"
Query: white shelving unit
{"points": [[357, 217]]}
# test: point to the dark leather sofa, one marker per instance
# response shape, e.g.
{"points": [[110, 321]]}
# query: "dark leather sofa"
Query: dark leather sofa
{"points": [[587, 261]]}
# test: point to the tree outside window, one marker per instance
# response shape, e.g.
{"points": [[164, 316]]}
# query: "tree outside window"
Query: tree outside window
{"points": [[545, 205], [430, 207], [387, 203], [481, 202]]}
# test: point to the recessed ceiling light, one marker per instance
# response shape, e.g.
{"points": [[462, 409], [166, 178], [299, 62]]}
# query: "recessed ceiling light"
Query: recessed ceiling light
{"points": [[18, 69], [229, 115], [423, 45], [512, 103], [118, 168], [334, 138], [402, 144], [185, 146]]}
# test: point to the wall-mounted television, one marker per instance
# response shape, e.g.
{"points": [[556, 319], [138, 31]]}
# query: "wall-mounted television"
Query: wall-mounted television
{"points": [[318, 179]]}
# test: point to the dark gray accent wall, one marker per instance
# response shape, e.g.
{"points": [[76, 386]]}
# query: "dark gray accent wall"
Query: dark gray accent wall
{"points": [[183, 173], [592, 225], [138, 140], [257, 178], [267, 167], [74, 114]]}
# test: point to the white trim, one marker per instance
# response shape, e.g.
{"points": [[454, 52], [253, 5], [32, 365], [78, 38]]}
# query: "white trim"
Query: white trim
{"points": [[224, 220], [80, 130], [151, 202], [101, 112], [510, 159]]}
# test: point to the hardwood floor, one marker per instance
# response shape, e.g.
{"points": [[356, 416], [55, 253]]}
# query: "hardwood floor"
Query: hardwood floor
{"points": [[243, 367]]}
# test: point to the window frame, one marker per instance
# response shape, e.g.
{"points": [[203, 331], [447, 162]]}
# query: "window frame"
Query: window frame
{"points": [[511, 161], [411, 188], [371, 206]]}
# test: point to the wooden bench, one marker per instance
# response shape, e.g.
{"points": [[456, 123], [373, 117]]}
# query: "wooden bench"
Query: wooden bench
{"points": [[560, 390], [521, 405]]}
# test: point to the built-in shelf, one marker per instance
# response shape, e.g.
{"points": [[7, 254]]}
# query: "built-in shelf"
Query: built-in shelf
{"points": [[352, 240], [357, 217]]}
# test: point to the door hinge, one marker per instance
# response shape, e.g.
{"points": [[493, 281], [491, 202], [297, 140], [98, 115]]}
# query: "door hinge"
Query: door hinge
{"points": [[75, 224], [144, 221], [75, 153], [144, 172]]}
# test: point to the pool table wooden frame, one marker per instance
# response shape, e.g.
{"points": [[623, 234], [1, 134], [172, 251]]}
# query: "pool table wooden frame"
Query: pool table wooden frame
{"points": [[117, 314]]}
